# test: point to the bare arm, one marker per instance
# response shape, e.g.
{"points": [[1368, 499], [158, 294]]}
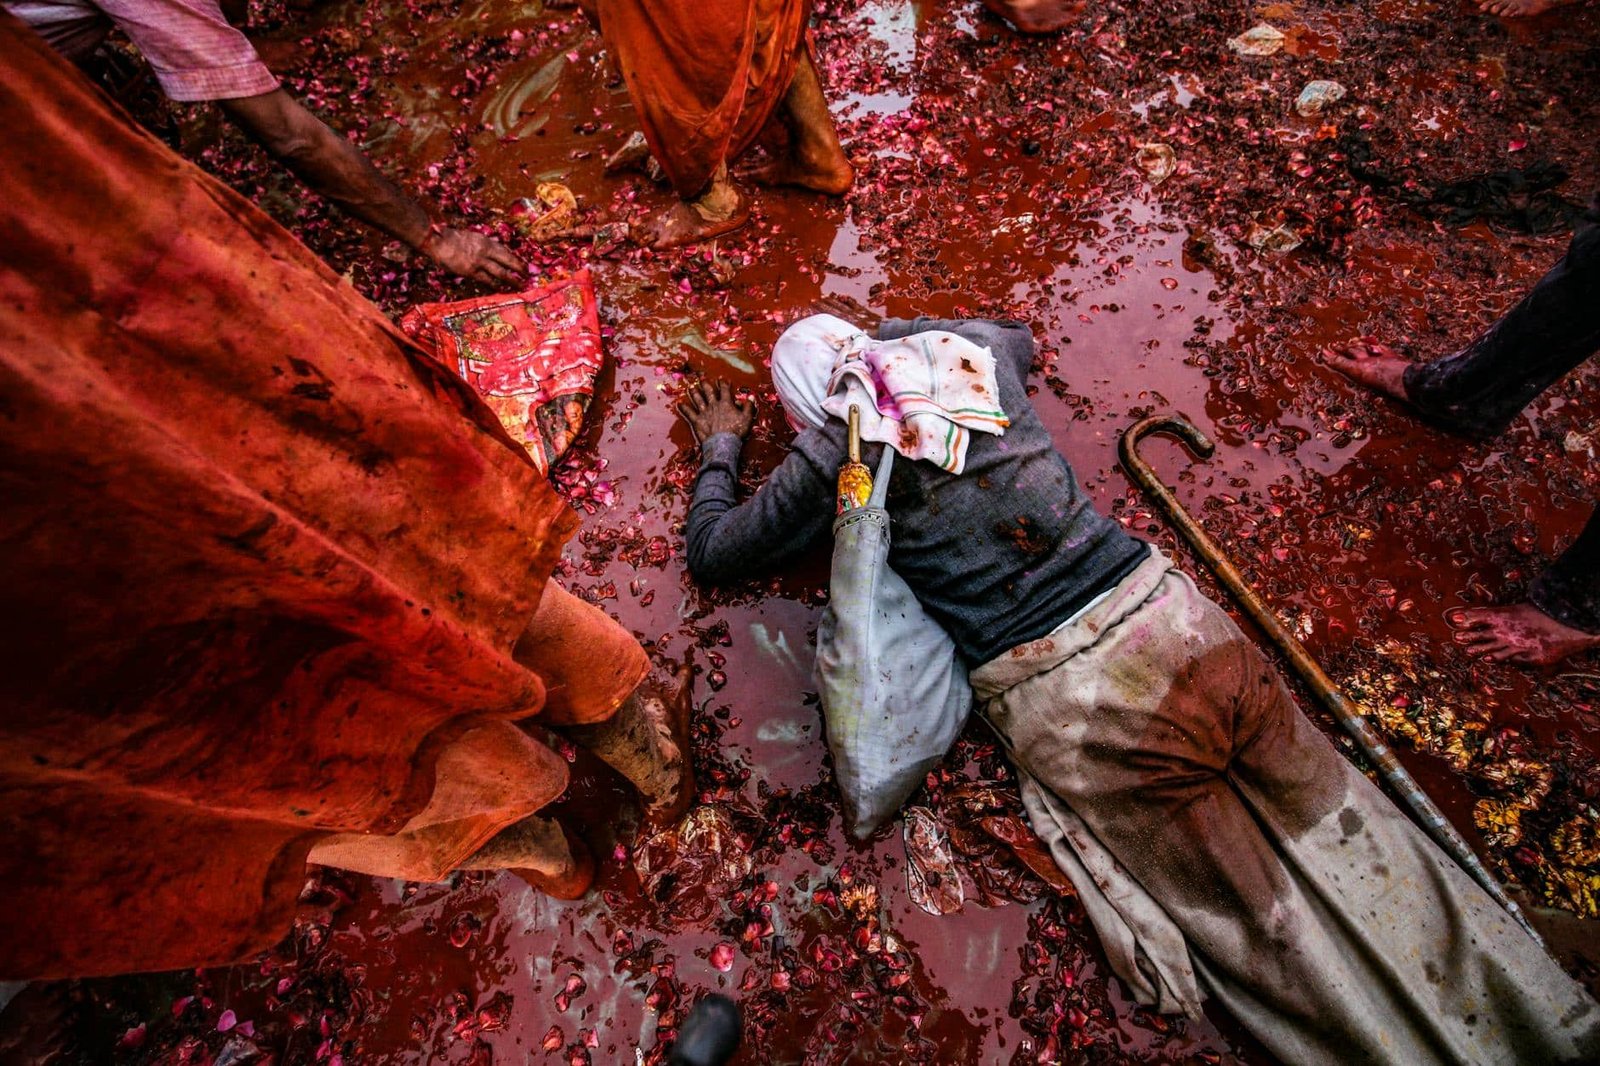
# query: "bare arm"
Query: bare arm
{"points": [[335, 168]]}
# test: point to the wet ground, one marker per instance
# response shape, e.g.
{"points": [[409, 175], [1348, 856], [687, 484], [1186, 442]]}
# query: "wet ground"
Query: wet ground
{"points": [[998, 176]]}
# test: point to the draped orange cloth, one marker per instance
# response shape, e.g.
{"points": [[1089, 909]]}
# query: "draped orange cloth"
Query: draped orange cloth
{"points": [[262, 561], [704, 75]]}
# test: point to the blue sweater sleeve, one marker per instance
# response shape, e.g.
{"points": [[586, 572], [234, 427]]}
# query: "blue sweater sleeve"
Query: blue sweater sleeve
{"points": [[728, 540]]}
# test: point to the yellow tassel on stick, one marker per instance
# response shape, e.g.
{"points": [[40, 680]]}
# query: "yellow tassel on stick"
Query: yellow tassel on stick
{"points": [[855, 480]]}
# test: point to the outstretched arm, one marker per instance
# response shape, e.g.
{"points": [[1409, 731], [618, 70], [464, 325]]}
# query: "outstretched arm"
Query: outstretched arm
{"points": [[334, 167], [729, 540]]}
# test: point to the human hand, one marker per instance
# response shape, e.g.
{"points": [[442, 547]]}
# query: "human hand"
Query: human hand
{"points": [[472, 255], [711, 409]]}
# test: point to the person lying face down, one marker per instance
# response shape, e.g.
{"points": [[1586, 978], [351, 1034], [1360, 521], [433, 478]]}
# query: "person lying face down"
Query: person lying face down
{"points": [[1219, 842]]}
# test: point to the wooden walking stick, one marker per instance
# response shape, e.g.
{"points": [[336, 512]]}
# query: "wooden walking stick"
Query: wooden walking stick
{"points": [[1346, 713]]}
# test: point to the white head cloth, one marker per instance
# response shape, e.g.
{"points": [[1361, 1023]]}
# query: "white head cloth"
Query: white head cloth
{"points": [[923, 395]]}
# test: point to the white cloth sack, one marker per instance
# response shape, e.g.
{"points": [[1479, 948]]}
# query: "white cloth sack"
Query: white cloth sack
{"points": [[894, 692]]}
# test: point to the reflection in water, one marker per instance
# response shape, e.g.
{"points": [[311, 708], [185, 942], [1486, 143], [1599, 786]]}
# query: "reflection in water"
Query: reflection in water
{"points": [[998, 177]]}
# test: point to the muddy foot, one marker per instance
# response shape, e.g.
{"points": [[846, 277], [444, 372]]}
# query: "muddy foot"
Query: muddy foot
{"points": [[672, 715], [828, 173], [573, 882], [1520, 9], [689, 223], [1520, 634], [1037, 16]]}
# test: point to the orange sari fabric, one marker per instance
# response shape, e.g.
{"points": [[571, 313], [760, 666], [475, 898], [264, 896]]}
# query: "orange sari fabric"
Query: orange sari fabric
{"points": [[262, 561], [704, 75]]}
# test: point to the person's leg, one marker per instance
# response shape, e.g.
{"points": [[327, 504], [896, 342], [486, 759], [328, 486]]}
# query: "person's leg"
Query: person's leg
{"points": [[1037, 16], [1479, 390], [543, 853], [1316, 911], [720, 209], [598, 694], [1560, 619], [812, 158], [646, 741]]}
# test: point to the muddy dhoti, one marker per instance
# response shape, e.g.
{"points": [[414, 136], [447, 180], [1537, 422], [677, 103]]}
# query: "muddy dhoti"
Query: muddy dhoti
{"points": [[1222, 846]]}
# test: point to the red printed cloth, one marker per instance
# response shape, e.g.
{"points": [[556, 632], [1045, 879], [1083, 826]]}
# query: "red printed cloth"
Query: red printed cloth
{"points": [[532, 356]]}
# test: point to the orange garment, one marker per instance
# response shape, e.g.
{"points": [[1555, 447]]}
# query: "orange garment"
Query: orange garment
{"points": [[704, 75], [262, 561]]}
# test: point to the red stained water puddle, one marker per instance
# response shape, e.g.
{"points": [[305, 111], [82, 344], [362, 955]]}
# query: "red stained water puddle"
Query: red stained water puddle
{"points": [[1358, 526]]}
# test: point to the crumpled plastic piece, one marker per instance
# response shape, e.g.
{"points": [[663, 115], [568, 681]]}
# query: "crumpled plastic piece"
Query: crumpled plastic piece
{"points": [[1278, 239], [1158, 162], [1262, 39], [1317, 96], [931, 876], [690, 868], [550, 213]]}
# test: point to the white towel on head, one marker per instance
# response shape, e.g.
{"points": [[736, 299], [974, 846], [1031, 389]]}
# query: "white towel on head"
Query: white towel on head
{"points": [[923, 395]]}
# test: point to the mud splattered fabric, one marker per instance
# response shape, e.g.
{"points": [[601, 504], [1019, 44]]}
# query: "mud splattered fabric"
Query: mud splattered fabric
{"points": [[704, 75], [924, 394], [532, 356], [264, 561], [1214, 833]]}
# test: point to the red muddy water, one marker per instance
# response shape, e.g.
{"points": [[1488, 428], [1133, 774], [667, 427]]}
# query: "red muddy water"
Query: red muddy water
{"points": [[997, 176]]}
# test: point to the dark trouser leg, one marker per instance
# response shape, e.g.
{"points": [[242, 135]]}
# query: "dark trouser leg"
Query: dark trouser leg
{"points": [[1480, 389], [1569, 591]]}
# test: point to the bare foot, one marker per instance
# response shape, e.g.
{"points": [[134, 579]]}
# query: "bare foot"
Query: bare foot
{"points": [[1520, 9], [672, 714], [1378, 367], [1037, 16], [543, 852], [813, 158], [721, 210], [1520, 634], [830, 176], [573, 882]]}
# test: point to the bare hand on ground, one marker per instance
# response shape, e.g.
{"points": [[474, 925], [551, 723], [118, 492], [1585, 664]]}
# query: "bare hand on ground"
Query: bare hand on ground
{"points": [[472, 255], [1520, 634], [1377, 366], [714, 408]]}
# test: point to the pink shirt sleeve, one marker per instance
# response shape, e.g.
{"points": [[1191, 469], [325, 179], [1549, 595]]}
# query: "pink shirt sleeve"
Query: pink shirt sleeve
{"points": [[195, 53]]}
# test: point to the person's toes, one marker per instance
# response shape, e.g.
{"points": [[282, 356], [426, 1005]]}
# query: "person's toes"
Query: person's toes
{"points": [[1478, 641], [1510, 654]]}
